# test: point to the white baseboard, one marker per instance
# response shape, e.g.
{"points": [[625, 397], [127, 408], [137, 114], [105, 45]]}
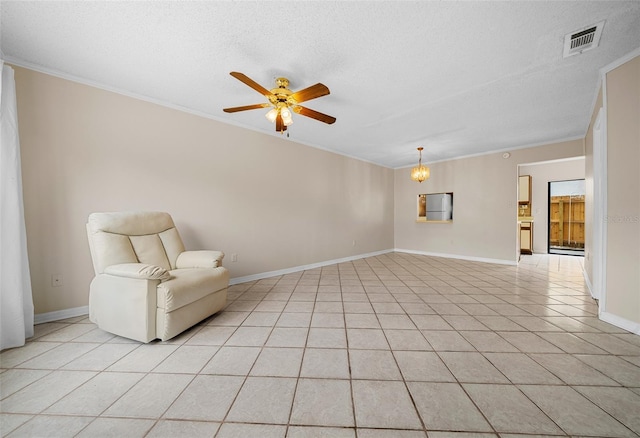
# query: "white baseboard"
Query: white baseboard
{"points": [[459, 257], [285, 271], [623, 323], [41, 318]]}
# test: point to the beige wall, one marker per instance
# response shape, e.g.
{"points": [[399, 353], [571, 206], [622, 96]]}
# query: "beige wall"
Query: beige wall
{"points": [[275, 203], [589, 189], [623, 191], [484, 197], [541, 175]]}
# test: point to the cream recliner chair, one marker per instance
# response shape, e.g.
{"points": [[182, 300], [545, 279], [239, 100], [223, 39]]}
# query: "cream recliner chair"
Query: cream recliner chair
{"points": [[146, 285]]}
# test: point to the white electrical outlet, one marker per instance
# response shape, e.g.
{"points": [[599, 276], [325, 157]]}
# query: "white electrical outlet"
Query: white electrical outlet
{"points": [[355, 243], [234, 257]]}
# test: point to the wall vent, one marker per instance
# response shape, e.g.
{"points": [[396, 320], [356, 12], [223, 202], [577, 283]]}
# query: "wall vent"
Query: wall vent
{"points": [[582, 40]]}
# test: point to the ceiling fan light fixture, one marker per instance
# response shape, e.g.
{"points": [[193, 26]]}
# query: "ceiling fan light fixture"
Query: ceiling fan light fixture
{"points": [[271, 115], [421, 172], [286, 116]]}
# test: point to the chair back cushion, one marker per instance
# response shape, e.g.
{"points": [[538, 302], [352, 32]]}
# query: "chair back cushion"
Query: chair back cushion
{"points": [[133, 237]]}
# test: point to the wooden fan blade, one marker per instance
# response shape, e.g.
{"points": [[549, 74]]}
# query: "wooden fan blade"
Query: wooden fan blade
{"points": [[314, 114], [280, 127], [235, 109], [250, 82], [309, 93]]}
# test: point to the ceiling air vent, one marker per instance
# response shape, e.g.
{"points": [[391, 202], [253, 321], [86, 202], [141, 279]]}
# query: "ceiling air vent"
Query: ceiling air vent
{"points": [[582, 40]]}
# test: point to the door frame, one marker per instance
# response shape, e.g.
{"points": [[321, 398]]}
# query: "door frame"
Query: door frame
{"points": [[549, 212]]}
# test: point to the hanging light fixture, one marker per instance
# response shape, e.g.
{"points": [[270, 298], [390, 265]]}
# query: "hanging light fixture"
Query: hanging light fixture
{"points": [[421, 172], [284, 112]]}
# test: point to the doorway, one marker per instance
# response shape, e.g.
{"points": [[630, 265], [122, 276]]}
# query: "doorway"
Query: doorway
{"points": [[566, 217]]}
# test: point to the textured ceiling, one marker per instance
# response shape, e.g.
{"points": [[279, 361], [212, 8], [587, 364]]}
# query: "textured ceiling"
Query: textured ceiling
{"points": [[458, 78]]}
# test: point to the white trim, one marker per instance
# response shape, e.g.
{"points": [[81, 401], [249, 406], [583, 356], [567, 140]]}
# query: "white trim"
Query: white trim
{"points": [[587, 281], [285, 271], [623, 323], [497, 151], [459, 257], [57, 315], [618, 62], [559, 160]]}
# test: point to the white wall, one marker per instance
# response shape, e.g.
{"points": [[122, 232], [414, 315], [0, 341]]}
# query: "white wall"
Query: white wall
{"points": [[541, 175], [484, 204], [275, 203]]}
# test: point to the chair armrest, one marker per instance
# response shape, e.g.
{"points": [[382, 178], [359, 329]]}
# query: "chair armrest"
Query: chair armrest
{"points": [[199, 259], [141, 271]]}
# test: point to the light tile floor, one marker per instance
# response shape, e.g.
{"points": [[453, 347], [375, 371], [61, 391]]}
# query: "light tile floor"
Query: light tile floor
{"points": [[397, 345]]}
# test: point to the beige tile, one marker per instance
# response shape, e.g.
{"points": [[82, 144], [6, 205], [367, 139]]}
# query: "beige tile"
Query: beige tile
{"points": [[392, 308], [486, 341], [150, 397], [322, 402], [570, 343], [96, 395], [472, 368], [117, 428], [615, 368], [324, 432], [231, 430], [422, 366], [232, 361], [14, 356], [367, 339], [58, 356], [499, 323], [49, 389], [48, 425], [464, 322], [571, 370], [263, 400], [299, 307], [361, 320], [227, 318], [573, 413], [396, 322], [407, 340], [10, 422], [325, 363], [207, 398], [430, 322], [611, 343], [390, 433], [191, 429], [249, 337], [433, 434], [441, 340], [328, 320], [519, 368], [212, 335], [446, 407], [278, 362], [357, 307], [16, 379], [508, 410], [144, 358], [329, 306], [294, 320], [327, 338], [68, 333], [621, 403], [187, 359], [383, 404], [261, 319], [528, 342], [374, 365], [288, 337]]}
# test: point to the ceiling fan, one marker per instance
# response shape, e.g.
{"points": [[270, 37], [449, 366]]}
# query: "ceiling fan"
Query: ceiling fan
{"points": [[282, 101]]}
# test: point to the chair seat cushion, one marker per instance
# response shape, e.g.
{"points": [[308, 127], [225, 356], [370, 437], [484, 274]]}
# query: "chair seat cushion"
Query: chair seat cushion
{"points": [[189, 285]]}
